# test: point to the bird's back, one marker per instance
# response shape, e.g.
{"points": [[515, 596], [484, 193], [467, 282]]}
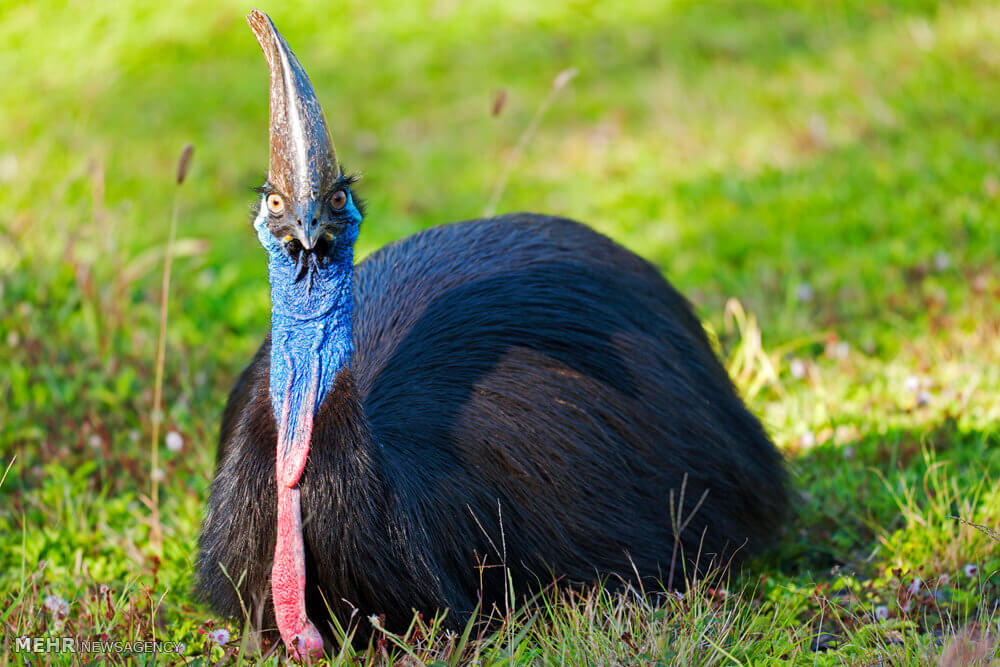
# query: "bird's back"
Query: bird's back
{"points": [[540, 393]]}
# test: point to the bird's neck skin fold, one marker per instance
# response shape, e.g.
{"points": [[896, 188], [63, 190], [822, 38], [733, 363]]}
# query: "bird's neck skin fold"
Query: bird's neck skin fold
{"points": [[310, 343], [310, 335]]}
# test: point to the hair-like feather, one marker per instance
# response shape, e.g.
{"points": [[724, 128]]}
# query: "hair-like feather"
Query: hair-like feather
{"points": [[522, 369]]}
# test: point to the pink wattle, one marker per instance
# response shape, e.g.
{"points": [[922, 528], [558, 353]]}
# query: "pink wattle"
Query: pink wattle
{"points": [[288, 573], [288, 580]]}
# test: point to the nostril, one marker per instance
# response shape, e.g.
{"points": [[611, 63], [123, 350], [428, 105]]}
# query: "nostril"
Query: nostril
{"points": [[298, 222], [314, 222]]}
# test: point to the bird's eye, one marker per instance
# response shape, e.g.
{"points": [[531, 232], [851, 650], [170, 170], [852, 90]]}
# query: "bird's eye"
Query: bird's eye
{"points": [[338, 200], [275, 204]]}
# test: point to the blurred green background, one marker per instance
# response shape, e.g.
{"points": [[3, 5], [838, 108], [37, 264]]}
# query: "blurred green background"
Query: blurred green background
{"points": [[832, 165]]}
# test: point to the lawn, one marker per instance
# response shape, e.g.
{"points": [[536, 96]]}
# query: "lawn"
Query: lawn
{"points": [[822, 179]]}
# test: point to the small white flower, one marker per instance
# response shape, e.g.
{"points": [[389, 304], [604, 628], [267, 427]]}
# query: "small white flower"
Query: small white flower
{"points": [[881, 612], [219, 636], [807, 440], [915, 585], [797, 368], [95, 441], [56, 605], [848, 452], [373, 619], [943, 580], [804, 292], [942, 260], [912, 384], [133, 435], [923, 398], [175, 441], [841, 350], [971, 570], [13, 340], [158, 475]]}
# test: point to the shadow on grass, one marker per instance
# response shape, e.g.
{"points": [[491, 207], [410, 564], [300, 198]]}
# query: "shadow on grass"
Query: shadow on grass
{"points": [[854, 497]]}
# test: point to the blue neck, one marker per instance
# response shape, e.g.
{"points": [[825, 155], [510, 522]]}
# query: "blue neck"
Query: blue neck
{"points": [[310, 331]]}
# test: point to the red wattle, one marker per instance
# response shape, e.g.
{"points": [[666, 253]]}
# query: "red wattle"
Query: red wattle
{"points": [[288, 580], [288, 573]]}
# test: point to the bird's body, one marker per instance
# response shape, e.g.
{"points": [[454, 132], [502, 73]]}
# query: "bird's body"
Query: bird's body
{"points": [[514, 397], [523, 370]]}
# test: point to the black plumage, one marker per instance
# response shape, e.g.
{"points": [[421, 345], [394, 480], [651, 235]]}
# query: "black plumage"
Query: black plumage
{"points": [[522, 369]]}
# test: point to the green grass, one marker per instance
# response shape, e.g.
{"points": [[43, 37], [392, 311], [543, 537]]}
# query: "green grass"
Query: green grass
{"points": [[821, 178]]}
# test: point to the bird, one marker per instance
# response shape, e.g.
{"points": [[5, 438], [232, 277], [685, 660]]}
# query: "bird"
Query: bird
{"points": [[502, 403]]}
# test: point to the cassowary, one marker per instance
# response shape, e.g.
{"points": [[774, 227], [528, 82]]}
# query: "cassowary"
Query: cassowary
{"points": [[511, 397]]}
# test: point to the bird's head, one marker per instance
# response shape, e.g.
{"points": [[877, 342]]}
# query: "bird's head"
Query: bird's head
{"points": [[308, 213]]}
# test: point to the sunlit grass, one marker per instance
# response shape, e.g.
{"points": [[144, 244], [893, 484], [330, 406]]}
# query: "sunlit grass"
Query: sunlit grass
{"points": [[822, 179]]}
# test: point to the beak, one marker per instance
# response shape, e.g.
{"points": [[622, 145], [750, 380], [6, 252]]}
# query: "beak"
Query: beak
{"points": [[309, 231], [302, 162]]}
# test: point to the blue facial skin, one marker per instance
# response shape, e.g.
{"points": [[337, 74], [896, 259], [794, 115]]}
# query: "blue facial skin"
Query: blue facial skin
{"points": [[310, 317]]}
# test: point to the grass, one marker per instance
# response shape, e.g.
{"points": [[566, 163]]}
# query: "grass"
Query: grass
{"points": [[822, 179]]}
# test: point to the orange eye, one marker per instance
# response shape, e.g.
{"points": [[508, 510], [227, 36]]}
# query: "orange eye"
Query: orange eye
{"points": [[338, 200], [275, 204]]}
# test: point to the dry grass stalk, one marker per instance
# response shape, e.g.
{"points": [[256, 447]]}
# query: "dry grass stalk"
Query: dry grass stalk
{"points": [[156, 533]]}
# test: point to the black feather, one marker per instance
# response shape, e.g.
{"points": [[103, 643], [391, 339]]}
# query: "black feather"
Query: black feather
{"points": [[522, 369]]}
